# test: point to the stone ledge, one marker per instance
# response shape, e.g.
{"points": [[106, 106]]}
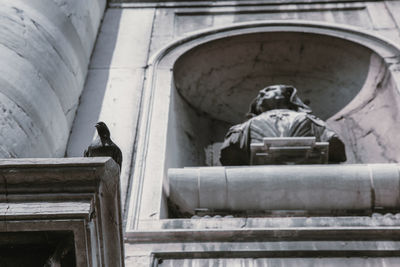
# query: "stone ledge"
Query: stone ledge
{"points": [[67, 194], [314, 237], [267, 234], [226, 3], [376, 220]]}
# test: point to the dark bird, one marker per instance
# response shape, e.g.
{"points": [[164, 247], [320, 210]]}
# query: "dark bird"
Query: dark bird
{"points": [[103, 146]]}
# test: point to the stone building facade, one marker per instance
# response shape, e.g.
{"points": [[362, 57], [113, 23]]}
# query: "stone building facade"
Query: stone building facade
{"points": [[170, 77]]}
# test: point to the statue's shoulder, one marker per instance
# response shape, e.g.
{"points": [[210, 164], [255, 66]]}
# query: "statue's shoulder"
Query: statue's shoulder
{"points": [[238, 128], [316, 120]]}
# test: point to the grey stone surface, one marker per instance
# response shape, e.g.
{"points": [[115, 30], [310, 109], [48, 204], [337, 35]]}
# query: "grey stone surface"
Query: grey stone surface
{"points": [[121, 43], [315, 188], [80, 195], [274, 222], [284, 262], [86, 17], [221, 78], [45, 50], [50, 43], [157, 29], [354, 14], [134, 33], [235, 241], [368, 123], [188, 17], [381, 19], [167, 138], [114, 84]]}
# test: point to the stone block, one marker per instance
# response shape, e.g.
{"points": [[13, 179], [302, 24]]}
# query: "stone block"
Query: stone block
{"points": [[311, 188], [76, 195]]}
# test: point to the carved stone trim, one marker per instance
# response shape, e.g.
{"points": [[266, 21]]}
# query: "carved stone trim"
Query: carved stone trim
{"points": [[202, 3]]}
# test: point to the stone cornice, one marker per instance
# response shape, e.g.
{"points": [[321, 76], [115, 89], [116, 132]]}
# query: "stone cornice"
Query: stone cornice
{"points": [[79, 195]]}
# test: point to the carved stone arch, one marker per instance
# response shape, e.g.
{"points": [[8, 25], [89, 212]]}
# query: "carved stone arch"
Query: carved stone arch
{"points": [[173, 124]]}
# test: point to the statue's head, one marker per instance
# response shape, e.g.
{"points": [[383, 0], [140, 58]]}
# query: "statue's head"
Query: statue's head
{"points": [[277, 97]]}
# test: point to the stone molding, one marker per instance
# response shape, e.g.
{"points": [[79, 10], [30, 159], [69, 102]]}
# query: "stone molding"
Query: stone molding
{"points": [[314, 237], [226, 3], [79, 195]]}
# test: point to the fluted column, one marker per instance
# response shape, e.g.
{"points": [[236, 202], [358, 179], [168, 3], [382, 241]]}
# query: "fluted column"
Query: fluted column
{"points": [[45, 47]]}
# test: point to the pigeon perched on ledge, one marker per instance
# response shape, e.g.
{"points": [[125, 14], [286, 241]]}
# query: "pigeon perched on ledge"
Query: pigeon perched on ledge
{"points": [[103, 146]]}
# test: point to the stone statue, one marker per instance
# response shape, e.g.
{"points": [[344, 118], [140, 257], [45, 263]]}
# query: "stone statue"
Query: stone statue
{"points": [[277, 111]]}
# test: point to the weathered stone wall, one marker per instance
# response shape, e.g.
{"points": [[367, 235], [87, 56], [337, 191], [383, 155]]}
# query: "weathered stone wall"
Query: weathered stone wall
{"points": [[117, 92], [45, 48], [114, 84], [133, 31]]}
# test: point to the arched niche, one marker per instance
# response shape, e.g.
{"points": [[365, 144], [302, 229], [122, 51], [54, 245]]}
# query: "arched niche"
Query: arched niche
{"points": [[199, 86], [220, 78]]}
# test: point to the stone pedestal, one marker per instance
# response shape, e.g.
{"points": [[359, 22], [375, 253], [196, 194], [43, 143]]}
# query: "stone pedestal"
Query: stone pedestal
{"points": [[314, 189]]}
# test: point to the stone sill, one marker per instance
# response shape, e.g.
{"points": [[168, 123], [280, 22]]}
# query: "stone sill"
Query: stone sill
{"points": [[376, 220], [376, 227], [223, 3], [267, 234]]}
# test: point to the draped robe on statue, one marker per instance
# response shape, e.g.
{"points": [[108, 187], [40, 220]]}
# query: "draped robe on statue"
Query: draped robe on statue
{"points": [[277, 123]]}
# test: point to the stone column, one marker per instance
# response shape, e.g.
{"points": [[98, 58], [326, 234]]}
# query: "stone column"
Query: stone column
{"points": [[45, 47]]}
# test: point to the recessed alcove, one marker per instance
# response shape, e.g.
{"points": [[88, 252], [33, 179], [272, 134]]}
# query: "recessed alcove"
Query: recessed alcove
{"points": [[201, 85], [216, 81], [220, 78]]}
